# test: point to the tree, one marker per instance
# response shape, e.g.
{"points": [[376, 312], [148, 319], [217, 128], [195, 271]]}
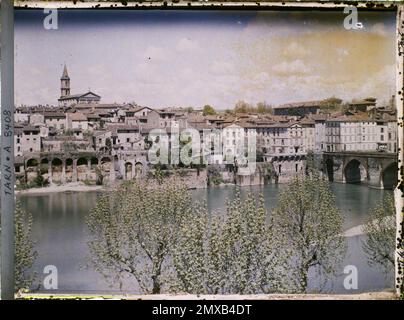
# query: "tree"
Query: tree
{"points": [[263, 107], [331, 104], [25, 254], [230, 252], [40, 181], [133, 230], [242, 107], [307, 221], [380, 230], [208, 110]]}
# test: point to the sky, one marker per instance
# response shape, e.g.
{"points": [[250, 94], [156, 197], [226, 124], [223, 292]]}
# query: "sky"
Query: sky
{"points": [[190, 58]]}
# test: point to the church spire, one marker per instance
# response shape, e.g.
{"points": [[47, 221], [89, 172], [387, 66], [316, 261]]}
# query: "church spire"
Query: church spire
{"points": [[65, 75], [65, 83]]}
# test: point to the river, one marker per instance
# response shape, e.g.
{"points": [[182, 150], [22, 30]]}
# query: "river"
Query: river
{"points": [[60, 233]]}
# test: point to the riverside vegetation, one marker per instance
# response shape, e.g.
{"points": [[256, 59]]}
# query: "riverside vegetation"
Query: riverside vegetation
{"points": [[155, 233], [168, 243]]}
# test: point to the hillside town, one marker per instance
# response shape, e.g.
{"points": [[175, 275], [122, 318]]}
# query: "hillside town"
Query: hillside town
{"points": [[84, 139]]}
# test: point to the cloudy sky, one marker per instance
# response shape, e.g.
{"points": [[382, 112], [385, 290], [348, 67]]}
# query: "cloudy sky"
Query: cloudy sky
{"points": [[172, 58]]}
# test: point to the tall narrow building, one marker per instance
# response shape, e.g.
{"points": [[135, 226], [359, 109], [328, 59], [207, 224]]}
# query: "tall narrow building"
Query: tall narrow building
{"points": [[65, 83]]}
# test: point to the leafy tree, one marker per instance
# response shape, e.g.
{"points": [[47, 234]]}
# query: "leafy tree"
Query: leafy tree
{"points": [[25, 254], [307, 221], [230, 252], [133, 230], [242, 107], [263, 107], [331, 104], [380, 230], [40, 181], [189, 109], [208, 110], [214, 175]]}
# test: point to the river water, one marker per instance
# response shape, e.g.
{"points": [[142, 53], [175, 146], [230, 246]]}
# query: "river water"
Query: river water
{"points": [[61, 237]]}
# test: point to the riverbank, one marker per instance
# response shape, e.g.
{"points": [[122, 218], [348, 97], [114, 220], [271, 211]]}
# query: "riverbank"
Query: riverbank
{"points": [[69, 187]]}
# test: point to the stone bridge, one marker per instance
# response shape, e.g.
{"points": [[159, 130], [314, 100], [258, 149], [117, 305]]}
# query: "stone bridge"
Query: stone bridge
{"points": [[81, 166], [376, 169]]}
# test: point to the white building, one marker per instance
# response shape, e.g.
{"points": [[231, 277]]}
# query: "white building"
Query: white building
{"points": [[354, 133]]}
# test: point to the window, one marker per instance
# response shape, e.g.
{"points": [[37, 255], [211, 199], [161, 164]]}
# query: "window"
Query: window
{"points": [[382, 138], [280, 168], [297, 167]]}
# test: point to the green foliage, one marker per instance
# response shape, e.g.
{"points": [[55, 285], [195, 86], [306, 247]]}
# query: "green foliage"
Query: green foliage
{"points": [[22, 184], [68, 132], [133, 230], [208, 110], [307, 221], [40, 181], [380, 230], [25, 254], [261, 107], [87, 182], [189, 109], [214, 175], [230, 252], [155, 233]]}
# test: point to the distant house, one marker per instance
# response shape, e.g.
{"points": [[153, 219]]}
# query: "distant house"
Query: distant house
{"points": [[56, 120], [298, 108], [363, 105], [77, 120], [27, 139]]}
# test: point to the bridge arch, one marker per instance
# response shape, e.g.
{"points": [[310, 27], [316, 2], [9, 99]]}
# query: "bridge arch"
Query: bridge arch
{"points": [[354, 171], [138, 170], [128, 170], [32, 163], [389, 176]]}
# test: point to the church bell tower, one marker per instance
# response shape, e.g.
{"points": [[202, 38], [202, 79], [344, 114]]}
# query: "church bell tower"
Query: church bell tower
{"points": [[65, 83]]}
